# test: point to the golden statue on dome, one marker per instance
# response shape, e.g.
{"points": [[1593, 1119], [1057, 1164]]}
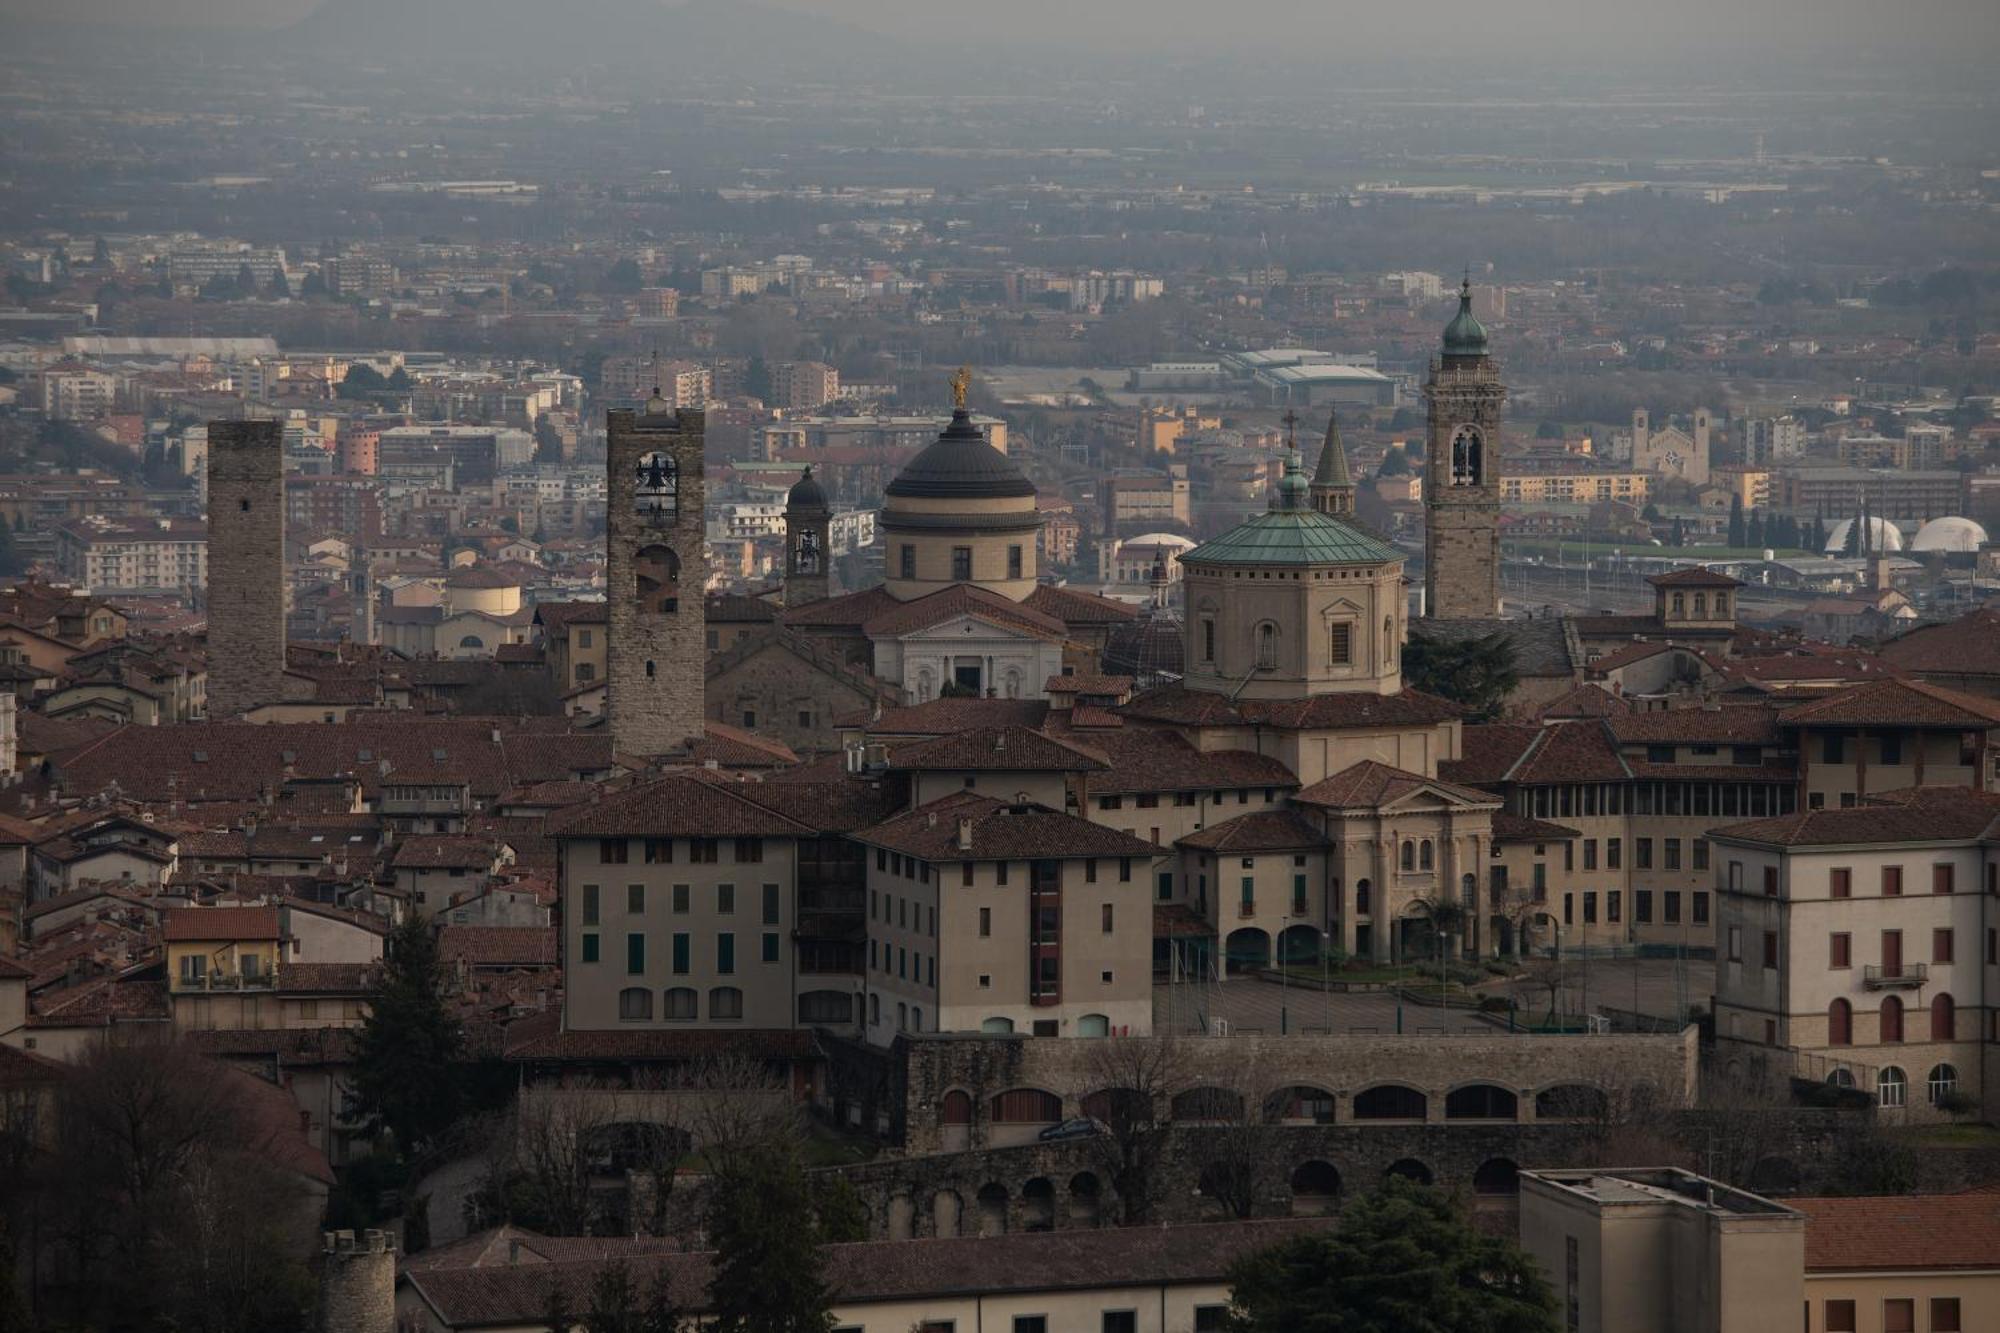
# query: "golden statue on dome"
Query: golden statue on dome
{"points": [[960, 383]]}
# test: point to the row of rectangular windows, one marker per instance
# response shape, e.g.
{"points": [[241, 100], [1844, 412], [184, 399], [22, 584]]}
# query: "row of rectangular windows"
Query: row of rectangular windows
{"points": [[660, 851], [682, 899], [771, 950], [1207, 1319], [1840, 880], [1642, 906]]}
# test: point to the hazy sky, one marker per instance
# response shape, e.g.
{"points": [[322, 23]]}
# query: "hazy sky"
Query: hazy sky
{"points": [[1621, 31]]}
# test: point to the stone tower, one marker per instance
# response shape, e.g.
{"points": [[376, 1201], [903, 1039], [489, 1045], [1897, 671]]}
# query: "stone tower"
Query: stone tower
{"points": [[1332, 489], [656, 576], [808, 552], [246, 566], [1462, 481]]}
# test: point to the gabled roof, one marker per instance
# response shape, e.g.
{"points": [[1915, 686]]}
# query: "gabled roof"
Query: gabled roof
{"points": [[679, 805], [1331, 712], [497, 946], [1694, 576], [1372, 785], [1072, 606], [207, 924], [961, 599], [1011, 749], [1908, 703], [1259, 831], [943, 717], [1912, 1233], [999, 832], [1732, 724], [1586, 701], [445, 851], [1961, 647], [1923, 814]]}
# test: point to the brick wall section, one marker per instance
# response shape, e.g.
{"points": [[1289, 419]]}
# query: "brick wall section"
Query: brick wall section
{"points": [[246, 565], [1462, 523], [1256, 1067], [654, 660]]}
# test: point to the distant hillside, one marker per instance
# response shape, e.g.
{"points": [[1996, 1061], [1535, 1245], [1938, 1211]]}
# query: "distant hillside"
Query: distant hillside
{"points": [[714, 36]]}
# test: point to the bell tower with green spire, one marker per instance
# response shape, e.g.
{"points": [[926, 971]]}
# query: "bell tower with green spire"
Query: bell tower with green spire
{"points": [[1464, 397]]}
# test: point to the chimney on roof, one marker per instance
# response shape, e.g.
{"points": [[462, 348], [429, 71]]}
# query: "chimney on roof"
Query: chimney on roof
{"points": [[965, 833]]}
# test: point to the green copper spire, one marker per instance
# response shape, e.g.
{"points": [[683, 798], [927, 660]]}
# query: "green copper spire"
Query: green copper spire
{"points": [[1465, 335]]}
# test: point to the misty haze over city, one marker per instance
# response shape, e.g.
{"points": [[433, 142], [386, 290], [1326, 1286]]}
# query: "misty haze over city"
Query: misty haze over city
{"points": [[1041, 666]]}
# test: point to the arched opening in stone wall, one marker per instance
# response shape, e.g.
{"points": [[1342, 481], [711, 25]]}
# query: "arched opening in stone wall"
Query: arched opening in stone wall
{"points": [[1409, 1168], [902, 1217], [1208, 1106], [1086, 1199], [1315, 1189], [1038, 1205], [1390, 1101], [992, 1205], [1571, 1101], [1300, 1104], [1026, 1106], [946, 1211], [1248, 947], [1118, 1107], [1481, 1101], [656, 571], [955, 1120], [1496, 1175]]}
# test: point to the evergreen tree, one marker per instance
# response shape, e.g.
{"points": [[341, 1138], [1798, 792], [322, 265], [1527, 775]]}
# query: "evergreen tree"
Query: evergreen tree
{"points": [[769, 1268], [1679, 535], [1756, 532], [557, 1315], [1736, 528], [1477, 673], [1395, 463], [757, 379], [1404, 1258], [406, 1078]]}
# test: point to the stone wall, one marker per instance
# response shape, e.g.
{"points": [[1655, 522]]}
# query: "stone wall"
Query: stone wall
{"points": [[656, 644], [1462, 523], [357, 1283], [246, 566], [931, 1066]]}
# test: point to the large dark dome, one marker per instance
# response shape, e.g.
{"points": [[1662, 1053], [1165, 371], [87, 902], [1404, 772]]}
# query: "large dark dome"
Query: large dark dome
{"points": [[806, 492], [961, 465]]}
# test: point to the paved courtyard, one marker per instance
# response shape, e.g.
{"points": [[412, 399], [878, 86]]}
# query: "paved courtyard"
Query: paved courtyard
{"points": [[1657, 987]]}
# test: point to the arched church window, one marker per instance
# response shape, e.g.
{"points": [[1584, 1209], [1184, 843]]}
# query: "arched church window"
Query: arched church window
{"points": [[806, 558], [1409, 855], [657, 571], [1388, 641], [1267, 646], [1700, 605], [1208, 638], [1680, 604], [656, 487], [1426, 855], [1467, 457], [1011, 683]]}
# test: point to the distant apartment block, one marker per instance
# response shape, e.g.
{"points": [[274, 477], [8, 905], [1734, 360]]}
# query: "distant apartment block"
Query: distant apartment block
{"points": [[108, 555], [1576, 487], [803, 386]]}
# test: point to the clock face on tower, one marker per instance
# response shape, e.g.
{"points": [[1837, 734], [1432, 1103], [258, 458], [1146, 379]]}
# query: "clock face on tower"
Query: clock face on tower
{"points": [[808, 552]]}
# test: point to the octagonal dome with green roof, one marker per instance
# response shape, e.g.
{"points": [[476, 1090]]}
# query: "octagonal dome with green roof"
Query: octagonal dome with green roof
{"points": [[1292, 535]]}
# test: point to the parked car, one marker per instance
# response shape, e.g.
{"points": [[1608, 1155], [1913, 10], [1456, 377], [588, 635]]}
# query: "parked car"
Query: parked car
{"points": [[1080, 1127]]}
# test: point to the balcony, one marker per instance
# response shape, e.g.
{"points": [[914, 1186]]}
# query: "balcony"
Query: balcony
{"points": [[224, 981], [1909, 976]]}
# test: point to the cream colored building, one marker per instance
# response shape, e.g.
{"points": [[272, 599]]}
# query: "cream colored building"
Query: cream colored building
{"points": [[1862, 939], [1006, 916], [1663, 1251], [1581, 487]]}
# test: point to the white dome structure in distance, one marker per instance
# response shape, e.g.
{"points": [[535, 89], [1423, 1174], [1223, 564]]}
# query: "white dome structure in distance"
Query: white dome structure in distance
{"points": [[1885, 536], [1952, 536]]}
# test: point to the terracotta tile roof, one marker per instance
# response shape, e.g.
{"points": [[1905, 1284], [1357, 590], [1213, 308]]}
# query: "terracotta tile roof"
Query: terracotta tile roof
{"points": [[445, 851], [1373, 784], [203, 924], [1178, 704], [1520, 828], [498, 1248], [498, 946], [962, 599], [270, 1125], [1074, 607], [1488, 752], [854, 609], [1572, 752], [944, 717], [1809, 665], [102, 1001], [838, 802], [1731, 724], [1961, 647], [1908, 703], [560, 615], [1179, 921], [733, 608], [1012, 749], [87, 893], [1259, 831], [1149, 1258], [1149, 759], [326, 978], [25, 1069], [1586, 701], [1000, 832], [732, 747], [13, 970], [1928, 814], [1903, 1233], [550, 795], [1627, 654], [681, 805]]}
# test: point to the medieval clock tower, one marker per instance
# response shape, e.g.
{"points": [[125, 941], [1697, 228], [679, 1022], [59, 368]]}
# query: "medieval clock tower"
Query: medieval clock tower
{"points": [[1464, 396], [657, 574]]}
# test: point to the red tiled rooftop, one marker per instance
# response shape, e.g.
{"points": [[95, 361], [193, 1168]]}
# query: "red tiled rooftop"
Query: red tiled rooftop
{"points": [[202, 924], [1901, 1233]]}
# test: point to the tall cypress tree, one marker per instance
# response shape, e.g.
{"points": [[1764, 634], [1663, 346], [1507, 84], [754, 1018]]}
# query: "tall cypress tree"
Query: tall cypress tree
{"points": [[407, 1079], [769, 1269]]}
